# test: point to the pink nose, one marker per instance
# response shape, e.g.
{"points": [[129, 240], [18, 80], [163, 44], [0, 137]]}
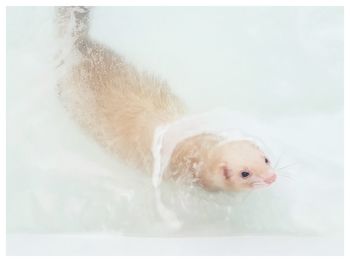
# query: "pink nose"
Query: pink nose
{"points": [[270, 179]]}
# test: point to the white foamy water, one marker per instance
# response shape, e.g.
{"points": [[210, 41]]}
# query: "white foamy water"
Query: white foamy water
{"points": [[282, 66]]}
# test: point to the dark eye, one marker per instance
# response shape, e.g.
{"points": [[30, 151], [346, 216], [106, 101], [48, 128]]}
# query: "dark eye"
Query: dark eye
{"points": [[245, 174], [266, 160]]}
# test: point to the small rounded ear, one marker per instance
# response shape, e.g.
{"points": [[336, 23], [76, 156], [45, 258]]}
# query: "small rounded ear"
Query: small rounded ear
{"points": [[225, 171]]}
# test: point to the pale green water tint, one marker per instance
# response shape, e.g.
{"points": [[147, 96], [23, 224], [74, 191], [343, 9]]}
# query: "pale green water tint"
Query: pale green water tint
{"points": [[283, 65]]}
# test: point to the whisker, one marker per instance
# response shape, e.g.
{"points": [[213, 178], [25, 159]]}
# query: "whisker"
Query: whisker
{"points": [[277, 162], [257, 184], [285, 176], [286, 166]]}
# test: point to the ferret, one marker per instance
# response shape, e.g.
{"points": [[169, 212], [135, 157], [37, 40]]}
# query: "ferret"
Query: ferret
{"points": [[123, 108]]}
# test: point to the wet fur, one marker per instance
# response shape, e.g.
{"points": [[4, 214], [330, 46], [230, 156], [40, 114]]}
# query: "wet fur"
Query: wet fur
{"points": [[121, 108]]}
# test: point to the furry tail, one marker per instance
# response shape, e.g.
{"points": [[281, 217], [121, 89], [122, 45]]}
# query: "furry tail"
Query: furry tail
{"points": [[72, 30], [73, 23]]}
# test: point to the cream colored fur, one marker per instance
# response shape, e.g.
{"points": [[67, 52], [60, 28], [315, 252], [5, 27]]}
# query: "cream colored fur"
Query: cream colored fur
{"points": [[121, 108]]}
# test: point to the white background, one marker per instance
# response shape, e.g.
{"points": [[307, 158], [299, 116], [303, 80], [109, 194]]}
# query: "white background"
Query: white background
{"points": [[283, 65]]}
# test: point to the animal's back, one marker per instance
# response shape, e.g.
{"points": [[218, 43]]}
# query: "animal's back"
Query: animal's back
{"points": [[118, 105]]}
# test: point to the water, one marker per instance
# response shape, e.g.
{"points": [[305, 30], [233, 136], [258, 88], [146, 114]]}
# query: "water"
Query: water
{"points": [[282, 65]]}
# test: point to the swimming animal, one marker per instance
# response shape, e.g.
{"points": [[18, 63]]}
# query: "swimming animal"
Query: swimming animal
{"points": [[135, 116]]}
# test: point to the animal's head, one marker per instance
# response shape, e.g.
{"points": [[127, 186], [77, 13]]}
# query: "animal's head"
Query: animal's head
{"points": [[236, 166]]}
